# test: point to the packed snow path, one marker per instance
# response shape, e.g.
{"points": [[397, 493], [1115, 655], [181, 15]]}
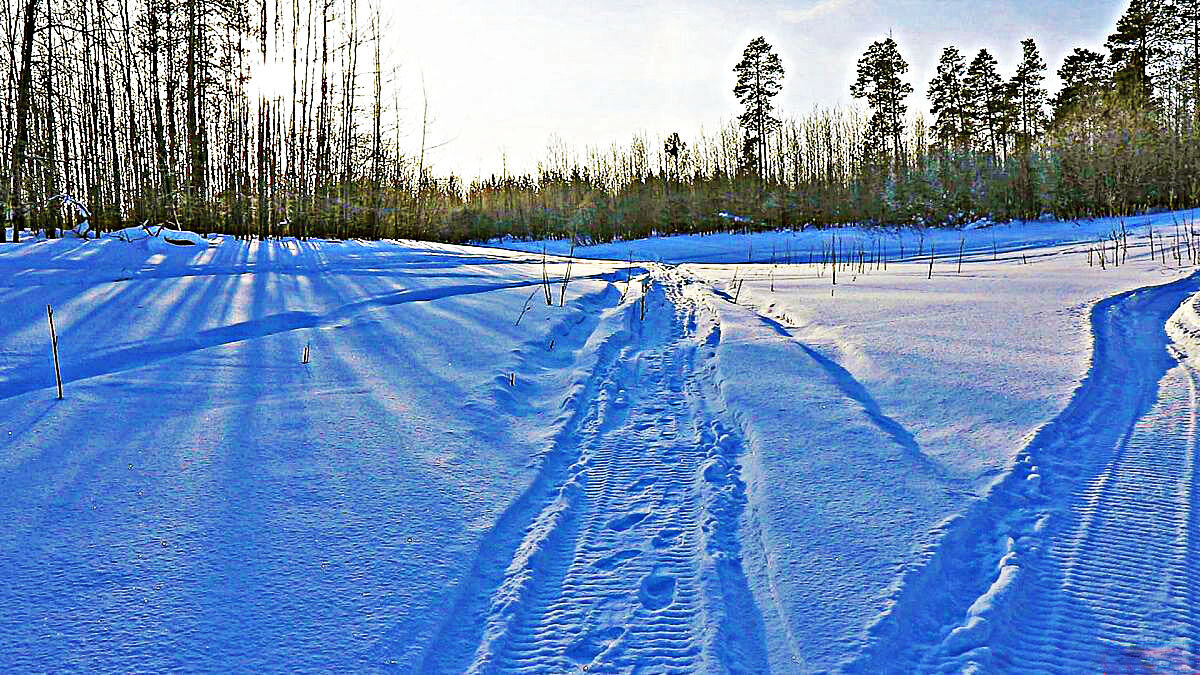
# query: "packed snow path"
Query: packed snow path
{"points": [[1083, 559], [632, 561]]}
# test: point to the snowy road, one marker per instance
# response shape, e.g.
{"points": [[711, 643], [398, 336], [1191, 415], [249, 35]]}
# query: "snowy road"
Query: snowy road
{"points": [[1083, 559]]}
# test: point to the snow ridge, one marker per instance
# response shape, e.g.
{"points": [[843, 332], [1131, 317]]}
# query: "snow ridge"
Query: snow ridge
{"points": [[1184, 327], [1101, 495]]}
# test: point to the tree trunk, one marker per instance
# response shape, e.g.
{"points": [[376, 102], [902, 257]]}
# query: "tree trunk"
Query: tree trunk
{"points": [[196, 151], [52, 133], [21, 141], [160, 141]]}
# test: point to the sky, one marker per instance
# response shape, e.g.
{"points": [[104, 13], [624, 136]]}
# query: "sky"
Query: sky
{"points": [[502, 77]]}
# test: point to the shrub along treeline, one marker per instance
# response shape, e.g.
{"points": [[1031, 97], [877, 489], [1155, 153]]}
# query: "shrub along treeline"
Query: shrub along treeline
{"points": [[139, 110]]}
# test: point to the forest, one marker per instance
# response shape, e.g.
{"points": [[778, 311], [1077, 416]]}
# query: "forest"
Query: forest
{"points": [[120, 113]]}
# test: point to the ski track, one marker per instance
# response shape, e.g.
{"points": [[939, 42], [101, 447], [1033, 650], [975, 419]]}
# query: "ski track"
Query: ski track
{"points": [[1082, 558], [630, 560]]}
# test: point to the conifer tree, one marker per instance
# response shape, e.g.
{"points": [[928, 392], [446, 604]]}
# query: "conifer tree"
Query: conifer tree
{"points": [[759, 79], [947, 101], [879, 81], [1084, 74], [1136, 48], [985, 102], [676, 150], [1028, 94], [1185, 34]]}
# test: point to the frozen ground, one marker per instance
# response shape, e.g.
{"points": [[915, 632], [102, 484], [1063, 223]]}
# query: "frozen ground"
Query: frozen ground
{"points": [[991, 468]]}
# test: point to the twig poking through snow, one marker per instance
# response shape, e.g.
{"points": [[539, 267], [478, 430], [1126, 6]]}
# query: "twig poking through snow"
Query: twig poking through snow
{"points": [[527, 307], [54, 348], [562, 293]]}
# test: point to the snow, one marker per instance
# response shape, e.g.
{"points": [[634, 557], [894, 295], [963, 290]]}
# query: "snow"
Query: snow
{"points": [[887, 473]]}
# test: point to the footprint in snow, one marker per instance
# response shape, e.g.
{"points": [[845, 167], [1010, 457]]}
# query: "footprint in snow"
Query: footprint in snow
{"points": [[616, 559], [627, 521], [642, 484], [592, 644], [657, 591], [666, 537]]}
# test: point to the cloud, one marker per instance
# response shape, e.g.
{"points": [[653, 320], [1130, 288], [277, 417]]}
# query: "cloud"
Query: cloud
{"points": [[820, 9]]}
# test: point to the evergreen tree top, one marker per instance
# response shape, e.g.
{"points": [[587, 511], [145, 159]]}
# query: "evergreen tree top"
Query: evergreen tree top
{"points": [[759, 72]]}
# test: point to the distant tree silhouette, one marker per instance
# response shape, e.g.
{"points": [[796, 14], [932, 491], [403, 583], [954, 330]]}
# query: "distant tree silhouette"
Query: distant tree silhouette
{"points": [[879, 81], [759, 79]]}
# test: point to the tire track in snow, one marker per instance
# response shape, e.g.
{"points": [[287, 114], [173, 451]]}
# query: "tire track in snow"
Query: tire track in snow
{"points": [[1078, 559], [539, 508], [632, 562], [1112, 590]]}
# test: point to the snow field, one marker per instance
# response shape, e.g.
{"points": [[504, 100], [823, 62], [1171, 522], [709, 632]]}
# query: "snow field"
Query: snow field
{"points": [[929, 387], [990, 469], [206, 503]]}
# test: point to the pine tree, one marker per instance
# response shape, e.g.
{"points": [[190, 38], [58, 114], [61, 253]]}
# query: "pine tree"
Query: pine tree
{"points": [[947, 100], [879, 73], [985, 102], [1136, 48], [1185, 35], [759, 79], [1084, 74], [676, 149], [1028, 94]]}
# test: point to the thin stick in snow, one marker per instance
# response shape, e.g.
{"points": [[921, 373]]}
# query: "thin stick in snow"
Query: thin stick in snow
{"points": [[527, 307], [562, 293], [54, 348], [546, 280]]}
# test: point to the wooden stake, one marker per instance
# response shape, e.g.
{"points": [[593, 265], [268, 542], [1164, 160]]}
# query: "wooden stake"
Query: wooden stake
{"points": [[54, 348]]}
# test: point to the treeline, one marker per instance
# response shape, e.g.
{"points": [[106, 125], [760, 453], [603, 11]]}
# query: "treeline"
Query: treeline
{"points": [[139, 111], [129, 111]]}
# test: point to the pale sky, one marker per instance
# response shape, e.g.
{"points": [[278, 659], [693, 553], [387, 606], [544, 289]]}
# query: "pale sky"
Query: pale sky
{"points": [[503, 76]]}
